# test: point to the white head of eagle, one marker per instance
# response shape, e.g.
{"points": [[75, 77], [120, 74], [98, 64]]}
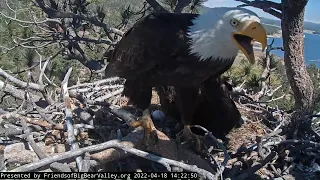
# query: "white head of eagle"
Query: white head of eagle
{"points": [[221, 32]]}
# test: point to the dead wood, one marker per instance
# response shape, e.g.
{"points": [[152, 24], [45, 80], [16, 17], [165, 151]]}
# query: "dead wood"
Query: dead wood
{"points": [[69, 121], [17, 93], [257, 153], [19, 82]]}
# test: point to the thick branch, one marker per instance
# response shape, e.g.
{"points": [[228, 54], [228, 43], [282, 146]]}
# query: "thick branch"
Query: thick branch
{"points": [[71, 138], [107, 96], [156, 6], [96, 83], [270, 7], [181, 4], [112, 144], [268, 4], [21, 83], [17, 93]]}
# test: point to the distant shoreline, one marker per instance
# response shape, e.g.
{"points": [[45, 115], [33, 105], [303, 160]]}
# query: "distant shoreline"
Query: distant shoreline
{"points": [[279, 35], [275, 35]]}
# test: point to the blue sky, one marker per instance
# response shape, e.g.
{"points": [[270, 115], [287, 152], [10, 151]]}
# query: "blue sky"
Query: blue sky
{"points": [[312, 9]]}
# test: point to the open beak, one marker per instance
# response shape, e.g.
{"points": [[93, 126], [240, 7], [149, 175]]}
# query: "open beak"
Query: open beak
{"points": [[248, 32]]}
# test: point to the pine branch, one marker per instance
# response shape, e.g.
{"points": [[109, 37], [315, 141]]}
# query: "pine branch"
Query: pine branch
{"points": [[270, 7], [181, 4], [156, 6]]}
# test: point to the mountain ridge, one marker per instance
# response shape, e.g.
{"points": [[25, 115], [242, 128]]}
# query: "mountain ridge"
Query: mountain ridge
{"points": [[276, 22], [307, 25]]}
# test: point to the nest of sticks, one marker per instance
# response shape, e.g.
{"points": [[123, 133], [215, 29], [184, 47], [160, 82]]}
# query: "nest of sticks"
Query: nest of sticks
{"points": [[87, 130]]}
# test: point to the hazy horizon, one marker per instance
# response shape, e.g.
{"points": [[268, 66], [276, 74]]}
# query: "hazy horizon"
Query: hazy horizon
{"points": [[312, 13]]}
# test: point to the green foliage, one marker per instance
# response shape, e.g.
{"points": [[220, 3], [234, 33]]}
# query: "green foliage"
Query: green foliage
{"points": [[114, 10], [314, 73], [274, 61], [19, 58], [171, 4], [243, 71], [13, 60], [194, 7]]}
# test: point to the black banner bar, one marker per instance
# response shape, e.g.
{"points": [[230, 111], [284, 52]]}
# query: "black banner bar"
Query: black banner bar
{"points": [[100, 175]]}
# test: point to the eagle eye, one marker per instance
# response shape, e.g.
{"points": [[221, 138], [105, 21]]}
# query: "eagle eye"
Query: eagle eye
{"points": [[234, 22]]}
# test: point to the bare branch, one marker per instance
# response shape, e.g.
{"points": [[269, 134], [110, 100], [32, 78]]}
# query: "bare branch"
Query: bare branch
{"points": [[263, 3], [19, 82], [96, 41], [255, 168], [96, 83], [156, 6], [107, 96], [221, 146], [181, 4], [97, 88], [112, 144], [270, 7], [17, 93], [59, 14], [71, 138], [30, 22], [43, 69], [31, 141]]}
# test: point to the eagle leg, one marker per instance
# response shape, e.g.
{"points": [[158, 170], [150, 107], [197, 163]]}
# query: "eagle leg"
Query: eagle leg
{"points": [[187, 98], [146, 122], [139, 94], [193, 139]]}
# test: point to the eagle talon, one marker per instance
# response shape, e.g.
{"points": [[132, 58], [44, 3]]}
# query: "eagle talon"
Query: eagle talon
{"points": [[145, 121], [191, 138]]}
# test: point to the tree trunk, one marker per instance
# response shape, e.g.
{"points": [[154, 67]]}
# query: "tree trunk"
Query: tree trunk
{"points": [[293, 42]]}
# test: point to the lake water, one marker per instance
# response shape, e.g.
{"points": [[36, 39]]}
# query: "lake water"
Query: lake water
{"points": [[311, 48]]}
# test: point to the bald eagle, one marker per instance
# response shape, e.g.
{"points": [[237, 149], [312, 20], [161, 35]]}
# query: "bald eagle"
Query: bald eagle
{"points": [[183, 50]]}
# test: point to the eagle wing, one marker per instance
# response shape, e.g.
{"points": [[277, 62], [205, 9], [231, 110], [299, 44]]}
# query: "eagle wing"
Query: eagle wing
{"points": [[151, 44]]}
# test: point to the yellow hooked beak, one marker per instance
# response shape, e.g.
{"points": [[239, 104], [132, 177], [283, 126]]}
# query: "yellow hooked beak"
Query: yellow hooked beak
{"points": [[247, 32]]}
